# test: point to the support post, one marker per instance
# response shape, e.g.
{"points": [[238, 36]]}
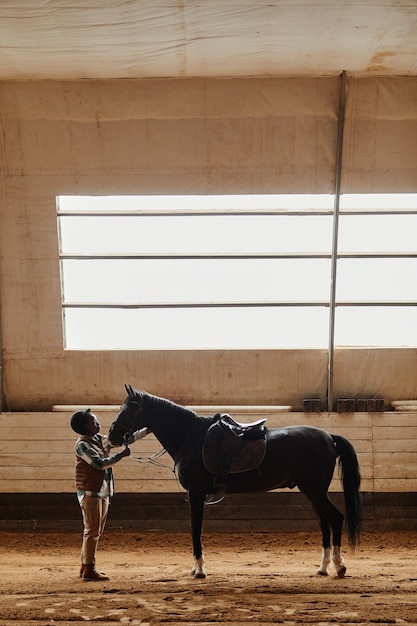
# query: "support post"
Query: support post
{"points": [[338, 173]]}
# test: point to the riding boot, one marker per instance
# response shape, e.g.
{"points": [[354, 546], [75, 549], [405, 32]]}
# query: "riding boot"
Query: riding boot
{"points": [[82, 568], [90, 573]]}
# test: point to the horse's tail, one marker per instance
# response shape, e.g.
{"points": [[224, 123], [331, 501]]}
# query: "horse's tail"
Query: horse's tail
{"points": [[351, 480]]}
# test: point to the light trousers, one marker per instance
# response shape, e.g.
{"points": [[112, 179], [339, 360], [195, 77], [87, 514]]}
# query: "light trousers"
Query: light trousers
{"points": [[94, 511]]}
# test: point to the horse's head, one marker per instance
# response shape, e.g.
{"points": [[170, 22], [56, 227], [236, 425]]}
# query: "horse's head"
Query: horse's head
{"points": [[129, 419]]}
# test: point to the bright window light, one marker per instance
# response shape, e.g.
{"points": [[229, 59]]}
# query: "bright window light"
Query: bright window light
{"points": [[236, 271]]}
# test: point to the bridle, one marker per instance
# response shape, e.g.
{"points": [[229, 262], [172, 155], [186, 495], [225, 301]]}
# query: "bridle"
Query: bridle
{"points": [[132, 424], [131, 427], [134, 419]]}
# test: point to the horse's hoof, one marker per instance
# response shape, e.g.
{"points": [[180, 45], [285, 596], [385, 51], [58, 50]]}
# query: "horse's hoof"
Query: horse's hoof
{"points": [[196, 573], [341, 572], [321, 572]]}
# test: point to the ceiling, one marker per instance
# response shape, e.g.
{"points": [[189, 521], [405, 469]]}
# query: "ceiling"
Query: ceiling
{"points": [[73, 39]]}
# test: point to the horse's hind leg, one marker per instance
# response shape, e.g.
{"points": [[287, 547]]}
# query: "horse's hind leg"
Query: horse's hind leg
{"points": [[338, 562], [325, 551], [329, 518], [337, 526]]}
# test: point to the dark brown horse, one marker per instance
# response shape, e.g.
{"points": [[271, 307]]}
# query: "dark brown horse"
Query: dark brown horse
{"points": [[295, 456]]}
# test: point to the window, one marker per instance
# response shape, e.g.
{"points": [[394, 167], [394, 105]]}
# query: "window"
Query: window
{"points": [[376, 290], [236, 272]]}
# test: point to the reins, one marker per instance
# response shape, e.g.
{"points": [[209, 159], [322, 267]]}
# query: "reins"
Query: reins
{"points": [[153, 459], [210, 502]]}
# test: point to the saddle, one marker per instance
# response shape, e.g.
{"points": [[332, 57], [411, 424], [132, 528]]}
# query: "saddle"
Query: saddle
{"points": [[231, 447]]}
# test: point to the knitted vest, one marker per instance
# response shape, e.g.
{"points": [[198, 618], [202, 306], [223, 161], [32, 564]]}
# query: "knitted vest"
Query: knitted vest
{"points": [[87, 478]]}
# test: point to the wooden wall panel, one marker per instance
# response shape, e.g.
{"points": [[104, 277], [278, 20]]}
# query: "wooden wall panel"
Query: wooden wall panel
{"points": [[37, 450]]}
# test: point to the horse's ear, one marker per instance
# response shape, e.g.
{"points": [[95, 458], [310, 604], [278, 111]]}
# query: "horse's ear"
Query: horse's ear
{"points": [[128, 390]]}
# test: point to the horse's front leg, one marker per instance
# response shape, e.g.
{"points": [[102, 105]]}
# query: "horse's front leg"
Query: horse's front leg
{"points": [[196, 511]]}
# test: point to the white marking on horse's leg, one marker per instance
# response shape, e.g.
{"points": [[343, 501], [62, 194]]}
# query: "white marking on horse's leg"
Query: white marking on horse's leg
{"points": [[325, 561], [338, 562], [199, 570]]}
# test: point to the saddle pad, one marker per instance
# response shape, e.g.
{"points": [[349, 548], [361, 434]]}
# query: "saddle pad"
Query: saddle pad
{"points": [[250, 455]]}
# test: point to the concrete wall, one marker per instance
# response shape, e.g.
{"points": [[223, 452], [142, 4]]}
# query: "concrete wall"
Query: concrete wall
{"points": [[127, 137]]}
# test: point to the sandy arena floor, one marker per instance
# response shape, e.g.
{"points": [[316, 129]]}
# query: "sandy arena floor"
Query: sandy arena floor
{"points": [[252, 579]]}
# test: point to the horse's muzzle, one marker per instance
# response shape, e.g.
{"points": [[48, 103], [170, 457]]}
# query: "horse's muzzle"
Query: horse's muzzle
{"points": [[115, 435]]}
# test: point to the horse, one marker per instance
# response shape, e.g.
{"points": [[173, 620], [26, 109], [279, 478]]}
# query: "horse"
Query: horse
{"points": [[295, 456]]}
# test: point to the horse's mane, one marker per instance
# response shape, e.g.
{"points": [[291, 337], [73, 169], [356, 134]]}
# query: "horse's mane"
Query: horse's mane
{"points": [[153, 405]]}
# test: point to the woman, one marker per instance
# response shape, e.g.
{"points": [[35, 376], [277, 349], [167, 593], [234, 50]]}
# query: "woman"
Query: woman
{"points": [[95, 486]]}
